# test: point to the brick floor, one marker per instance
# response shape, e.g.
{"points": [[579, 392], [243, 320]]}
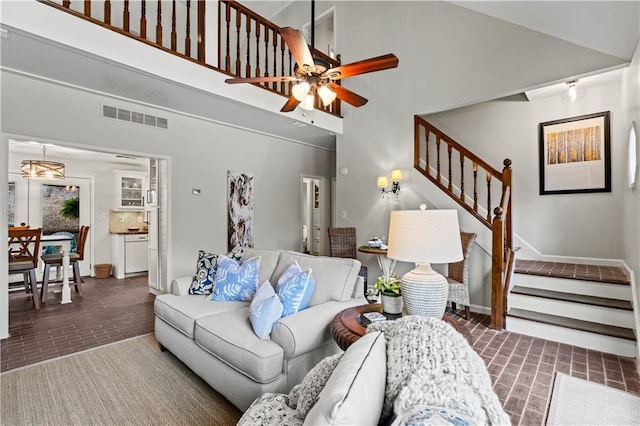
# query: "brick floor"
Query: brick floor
{"points": [[522, 368], [109, 310]]}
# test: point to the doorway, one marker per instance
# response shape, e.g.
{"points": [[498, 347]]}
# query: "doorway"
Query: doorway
{"points": [[313, 215]]}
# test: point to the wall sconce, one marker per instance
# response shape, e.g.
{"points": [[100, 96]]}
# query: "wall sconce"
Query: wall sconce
{"points": [[394, 191]]}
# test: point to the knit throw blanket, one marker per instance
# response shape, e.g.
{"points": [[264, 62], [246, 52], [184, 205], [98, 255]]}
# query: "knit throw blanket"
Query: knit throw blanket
{"points": [[430, 364]]}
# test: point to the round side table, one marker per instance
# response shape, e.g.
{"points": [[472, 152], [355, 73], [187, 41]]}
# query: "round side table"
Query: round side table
{"points": [[348, 325]]}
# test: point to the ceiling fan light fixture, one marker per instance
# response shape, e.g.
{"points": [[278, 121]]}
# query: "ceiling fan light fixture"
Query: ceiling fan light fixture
{"points": [[327, 95], [300, 90], [308, 102]]}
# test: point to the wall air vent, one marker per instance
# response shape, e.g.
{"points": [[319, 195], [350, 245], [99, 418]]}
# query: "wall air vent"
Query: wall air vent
{"points": [[134, 117]]}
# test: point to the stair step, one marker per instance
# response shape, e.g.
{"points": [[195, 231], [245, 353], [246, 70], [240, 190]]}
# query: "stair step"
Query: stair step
{"points": [[575, 298], [598, 273], [592, 327]]}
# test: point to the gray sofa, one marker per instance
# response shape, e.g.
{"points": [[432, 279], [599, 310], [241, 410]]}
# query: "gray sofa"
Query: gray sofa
{"points": [[217, 342]]}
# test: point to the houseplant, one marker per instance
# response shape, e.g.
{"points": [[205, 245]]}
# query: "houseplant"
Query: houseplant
{"points": [[389, 288]]}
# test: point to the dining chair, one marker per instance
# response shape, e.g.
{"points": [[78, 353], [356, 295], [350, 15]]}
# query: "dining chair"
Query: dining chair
{"points": [[24, 246], [458, 276], [55, 259], [342, 243]]}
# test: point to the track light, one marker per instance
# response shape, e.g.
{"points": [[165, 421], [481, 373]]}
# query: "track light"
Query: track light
{"points": [[572, 90]]}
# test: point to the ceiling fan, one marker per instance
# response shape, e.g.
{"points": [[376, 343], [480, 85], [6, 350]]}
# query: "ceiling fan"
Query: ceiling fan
{"points": [[313, 75]]}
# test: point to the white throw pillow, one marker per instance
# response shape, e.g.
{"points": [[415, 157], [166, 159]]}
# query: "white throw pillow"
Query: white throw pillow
{"points": [[354, 393]]}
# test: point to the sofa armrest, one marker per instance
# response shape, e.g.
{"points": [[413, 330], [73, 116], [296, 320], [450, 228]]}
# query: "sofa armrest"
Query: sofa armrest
{"points": [[180, 286], [309, 329]]}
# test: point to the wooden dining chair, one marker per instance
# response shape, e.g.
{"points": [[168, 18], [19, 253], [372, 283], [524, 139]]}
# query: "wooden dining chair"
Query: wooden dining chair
{"points": [[55, 259], [24, 246]]}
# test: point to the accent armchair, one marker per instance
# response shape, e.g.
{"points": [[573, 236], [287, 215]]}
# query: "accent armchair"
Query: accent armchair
{"points": [[458, 276]]}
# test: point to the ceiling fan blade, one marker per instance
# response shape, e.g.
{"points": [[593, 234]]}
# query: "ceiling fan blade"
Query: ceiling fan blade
{"points": [[362, 67], [347, 95], [299, 48], [276, 79], [291, 104]]}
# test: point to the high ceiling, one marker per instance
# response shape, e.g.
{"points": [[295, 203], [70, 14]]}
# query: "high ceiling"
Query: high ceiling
{"points": [[608, 27]]}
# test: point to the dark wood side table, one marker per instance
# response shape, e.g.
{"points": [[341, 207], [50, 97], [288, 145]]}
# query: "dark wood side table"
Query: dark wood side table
{"points": [[348, 325]]}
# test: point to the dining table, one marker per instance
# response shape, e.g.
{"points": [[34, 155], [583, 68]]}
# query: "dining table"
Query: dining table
{"points": [[64, 242]]}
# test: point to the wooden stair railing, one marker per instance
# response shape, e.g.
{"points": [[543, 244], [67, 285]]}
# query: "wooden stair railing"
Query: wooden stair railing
{"points": [[248, 44], [452, 174]]}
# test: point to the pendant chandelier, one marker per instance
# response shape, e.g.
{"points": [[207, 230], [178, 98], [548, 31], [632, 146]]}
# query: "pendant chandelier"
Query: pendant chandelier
{"points": [[42, 169]]}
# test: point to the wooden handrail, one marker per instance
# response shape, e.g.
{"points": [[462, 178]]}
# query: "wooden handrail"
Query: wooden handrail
{"points": [[428, 153], [255, 48]]}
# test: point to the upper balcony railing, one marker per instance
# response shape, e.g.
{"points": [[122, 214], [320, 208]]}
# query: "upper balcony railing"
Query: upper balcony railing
{"points": [[248, 44]]}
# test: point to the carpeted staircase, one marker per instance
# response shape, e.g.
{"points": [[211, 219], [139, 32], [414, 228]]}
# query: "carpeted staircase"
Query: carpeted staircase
{"points": [[577, 304]]}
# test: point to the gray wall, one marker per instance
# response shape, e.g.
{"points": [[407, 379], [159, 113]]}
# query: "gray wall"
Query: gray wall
{"points": [[199, 153]]}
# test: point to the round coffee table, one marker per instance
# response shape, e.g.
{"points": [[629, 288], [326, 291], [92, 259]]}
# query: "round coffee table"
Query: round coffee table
{"points": [[349, 325]]}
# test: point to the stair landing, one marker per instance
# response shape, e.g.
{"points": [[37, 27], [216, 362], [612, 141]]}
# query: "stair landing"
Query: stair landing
{"points": [[598, 273]]}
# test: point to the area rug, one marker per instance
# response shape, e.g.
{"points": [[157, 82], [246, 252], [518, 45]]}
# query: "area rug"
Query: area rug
{"points": [[580, 402], [125, 383]]}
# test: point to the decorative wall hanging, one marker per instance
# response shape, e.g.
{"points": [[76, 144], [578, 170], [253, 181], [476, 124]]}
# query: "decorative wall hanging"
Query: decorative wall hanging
{"points": [[575, 155], [240, 209]]}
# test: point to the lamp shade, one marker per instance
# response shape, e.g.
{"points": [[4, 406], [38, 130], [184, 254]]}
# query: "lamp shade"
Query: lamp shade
{"points": [[396, 175], [424, 236], [382, 181]]}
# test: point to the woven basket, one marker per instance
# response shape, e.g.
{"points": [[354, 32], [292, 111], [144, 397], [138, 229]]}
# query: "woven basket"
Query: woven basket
{"points": [[103, 270]]}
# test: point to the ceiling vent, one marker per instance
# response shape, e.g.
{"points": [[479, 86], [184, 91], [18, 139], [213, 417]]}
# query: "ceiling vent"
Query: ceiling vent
{"points": [[134, 117]]}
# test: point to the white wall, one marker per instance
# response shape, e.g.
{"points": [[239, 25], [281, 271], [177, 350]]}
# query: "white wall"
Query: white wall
{"points": [[630, 93], [199, 154], [578, 225], [449, 57]]}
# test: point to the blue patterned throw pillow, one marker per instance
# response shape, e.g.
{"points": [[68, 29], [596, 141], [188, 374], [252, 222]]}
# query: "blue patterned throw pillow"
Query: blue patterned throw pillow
{"points": [[206, 267], [265, 310], [453, 414], [295, 288], [235, 282]]}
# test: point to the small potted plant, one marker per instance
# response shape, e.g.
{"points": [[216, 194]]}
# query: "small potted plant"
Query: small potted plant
{"points": [[389, 288]]}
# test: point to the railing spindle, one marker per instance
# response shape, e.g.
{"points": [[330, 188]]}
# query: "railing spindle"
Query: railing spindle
{"points": [[125, 16], [438, 159], [66, 3], [174, 34], [449, 149], [107, 12], [475, 186], [274, 85], [266, 53], [488, 197], [87, 7], [143, 19], [462, 176], [238, 23], [159, 24], [247, 72], [282, 46], [201, 30], [187, 38]]}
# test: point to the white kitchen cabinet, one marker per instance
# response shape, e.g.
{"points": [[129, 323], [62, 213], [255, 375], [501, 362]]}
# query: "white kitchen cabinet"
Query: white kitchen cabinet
{"points": [[131, 189]]}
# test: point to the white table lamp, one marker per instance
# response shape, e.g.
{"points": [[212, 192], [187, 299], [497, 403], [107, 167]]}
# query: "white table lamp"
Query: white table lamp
{"points": [[424, 237]]}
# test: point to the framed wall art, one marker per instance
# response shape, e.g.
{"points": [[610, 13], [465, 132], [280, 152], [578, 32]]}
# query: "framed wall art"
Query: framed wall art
{"points": [[240, 209], [575, 155]]}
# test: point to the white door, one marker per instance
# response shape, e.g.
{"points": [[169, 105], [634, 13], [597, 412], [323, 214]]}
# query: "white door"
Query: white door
{"points": [[37, 194]]}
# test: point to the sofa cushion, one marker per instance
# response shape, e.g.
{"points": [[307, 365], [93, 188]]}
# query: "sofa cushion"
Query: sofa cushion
{"points": [[295, 288], [355, 391], [206, 267], [181, 312], [229, 337], [304, 395], [265, 309], [236, 282], [268, 261], [335, 277]]}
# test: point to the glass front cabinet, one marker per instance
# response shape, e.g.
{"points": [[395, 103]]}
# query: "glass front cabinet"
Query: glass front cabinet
{"points": [[131, 189]]}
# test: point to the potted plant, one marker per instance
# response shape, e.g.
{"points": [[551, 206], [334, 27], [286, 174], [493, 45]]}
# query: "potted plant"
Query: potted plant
{"points": [[389, 288]]}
